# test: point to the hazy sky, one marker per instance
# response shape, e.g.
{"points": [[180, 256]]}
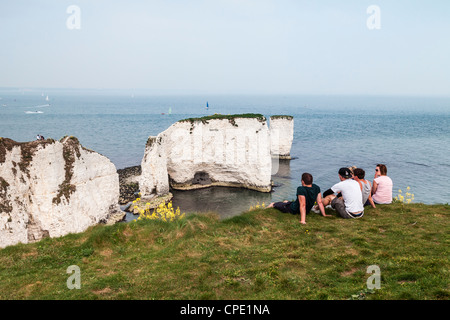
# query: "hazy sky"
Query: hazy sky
{"points": [[228, 46]]}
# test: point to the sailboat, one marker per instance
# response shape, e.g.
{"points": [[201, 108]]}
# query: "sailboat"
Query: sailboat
{"points": [[170, 111], [207, 105], [46, 98]]}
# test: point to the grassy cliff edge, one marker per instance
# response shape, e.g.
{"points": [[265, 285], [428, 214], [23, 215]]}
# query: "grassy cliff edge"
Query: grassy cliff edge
{"points": [[261, 254]]}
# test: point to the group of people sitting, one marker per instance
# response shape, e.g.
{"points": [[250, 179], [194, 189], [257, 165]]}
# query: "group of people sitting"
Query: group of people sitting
{"points": [[347, 197]]}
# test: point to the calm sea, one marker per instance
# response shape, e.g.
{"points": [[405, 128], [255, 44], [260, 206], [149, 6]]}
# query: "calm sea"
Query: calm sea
{"points": [[411, 135]]}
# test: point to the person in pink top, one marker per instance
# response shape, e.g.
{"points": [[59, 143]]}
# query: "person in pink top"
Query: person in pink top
{"points": [[382, 186]]}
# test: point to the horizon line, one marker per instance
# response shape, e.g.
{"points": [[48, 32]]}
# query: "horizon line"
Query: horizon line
{"points": [[147, 91]]}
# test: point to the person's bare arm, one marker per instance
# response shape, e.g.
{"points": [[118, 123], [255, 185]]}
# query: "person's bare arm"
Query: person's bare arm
{"points": [[321, 207], [302, 201], [370, 198], [374, 187], [371, 201]]}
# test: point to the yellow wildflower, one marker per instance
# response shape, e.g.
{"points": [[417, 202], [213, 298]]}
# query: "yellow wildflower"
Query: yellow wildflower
{"points": [[162, 212]]}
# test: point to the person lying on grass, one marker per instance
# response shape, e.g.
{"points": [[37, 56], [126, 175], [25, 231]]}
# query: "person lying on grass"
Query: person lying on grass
{"points": [[307, 194]]}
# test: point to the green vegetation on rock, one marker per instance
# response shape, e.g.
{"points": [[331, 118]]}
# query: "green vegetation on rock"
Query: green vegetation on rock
{"points": [[229, 117], [282, 117]]}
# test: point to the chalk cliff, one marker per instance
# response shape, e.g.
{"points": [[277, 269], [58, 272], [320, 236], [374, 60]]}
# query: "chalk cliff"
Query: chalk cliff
{"points": [[282, 135], [51, 188], [216, 150], [154, 178]]}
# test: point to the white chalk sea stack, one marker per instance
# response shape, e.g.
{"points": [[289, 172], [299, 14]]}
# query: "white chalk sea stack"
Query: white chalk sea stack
{"points": [[51, 188], [218, 150], [282, 135]]}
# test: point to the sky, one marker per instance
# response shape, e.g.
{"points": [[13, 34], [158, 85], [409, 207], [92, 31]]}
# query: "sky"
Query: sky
{"points": [[228, 46]]}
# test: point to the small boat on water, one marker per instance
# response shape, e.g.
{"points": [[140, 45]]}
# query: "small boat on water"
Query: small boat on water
{"points": [[31, 112], [207, 105], [170, 111]]}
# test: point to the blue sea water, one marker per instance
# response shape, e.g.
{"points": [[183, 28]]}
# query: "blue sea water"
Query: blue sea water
{"points": [[411, 135]]}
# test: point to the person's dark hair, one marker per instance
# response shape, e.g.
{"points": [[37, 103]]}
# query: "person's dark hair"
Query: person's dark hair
{"points": [[307, 178], [383, 169], [345, 173], [360, 173]]}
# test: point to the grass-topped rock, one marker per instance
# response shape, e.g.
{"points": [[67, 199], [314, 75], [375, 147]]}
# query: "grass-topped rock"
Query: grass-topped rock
{"points": [[49, 188], [211, 151], [230, 117]]}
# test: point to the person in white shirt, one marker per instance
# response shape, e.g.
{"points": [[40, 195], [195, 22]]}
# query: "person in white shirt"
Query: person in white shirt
{"points": [[350, 204]]}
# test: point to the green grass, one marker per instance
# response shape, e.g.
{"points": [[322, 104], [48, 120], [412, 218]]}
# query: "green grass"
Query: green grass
{"points": [[231, 117], [261, 254], [287, 117]]}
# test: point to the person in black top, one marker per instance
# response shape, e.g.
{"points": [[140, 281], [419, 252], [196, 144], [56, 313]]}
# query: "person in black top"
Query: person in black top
{"points": [[307, 194]]}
